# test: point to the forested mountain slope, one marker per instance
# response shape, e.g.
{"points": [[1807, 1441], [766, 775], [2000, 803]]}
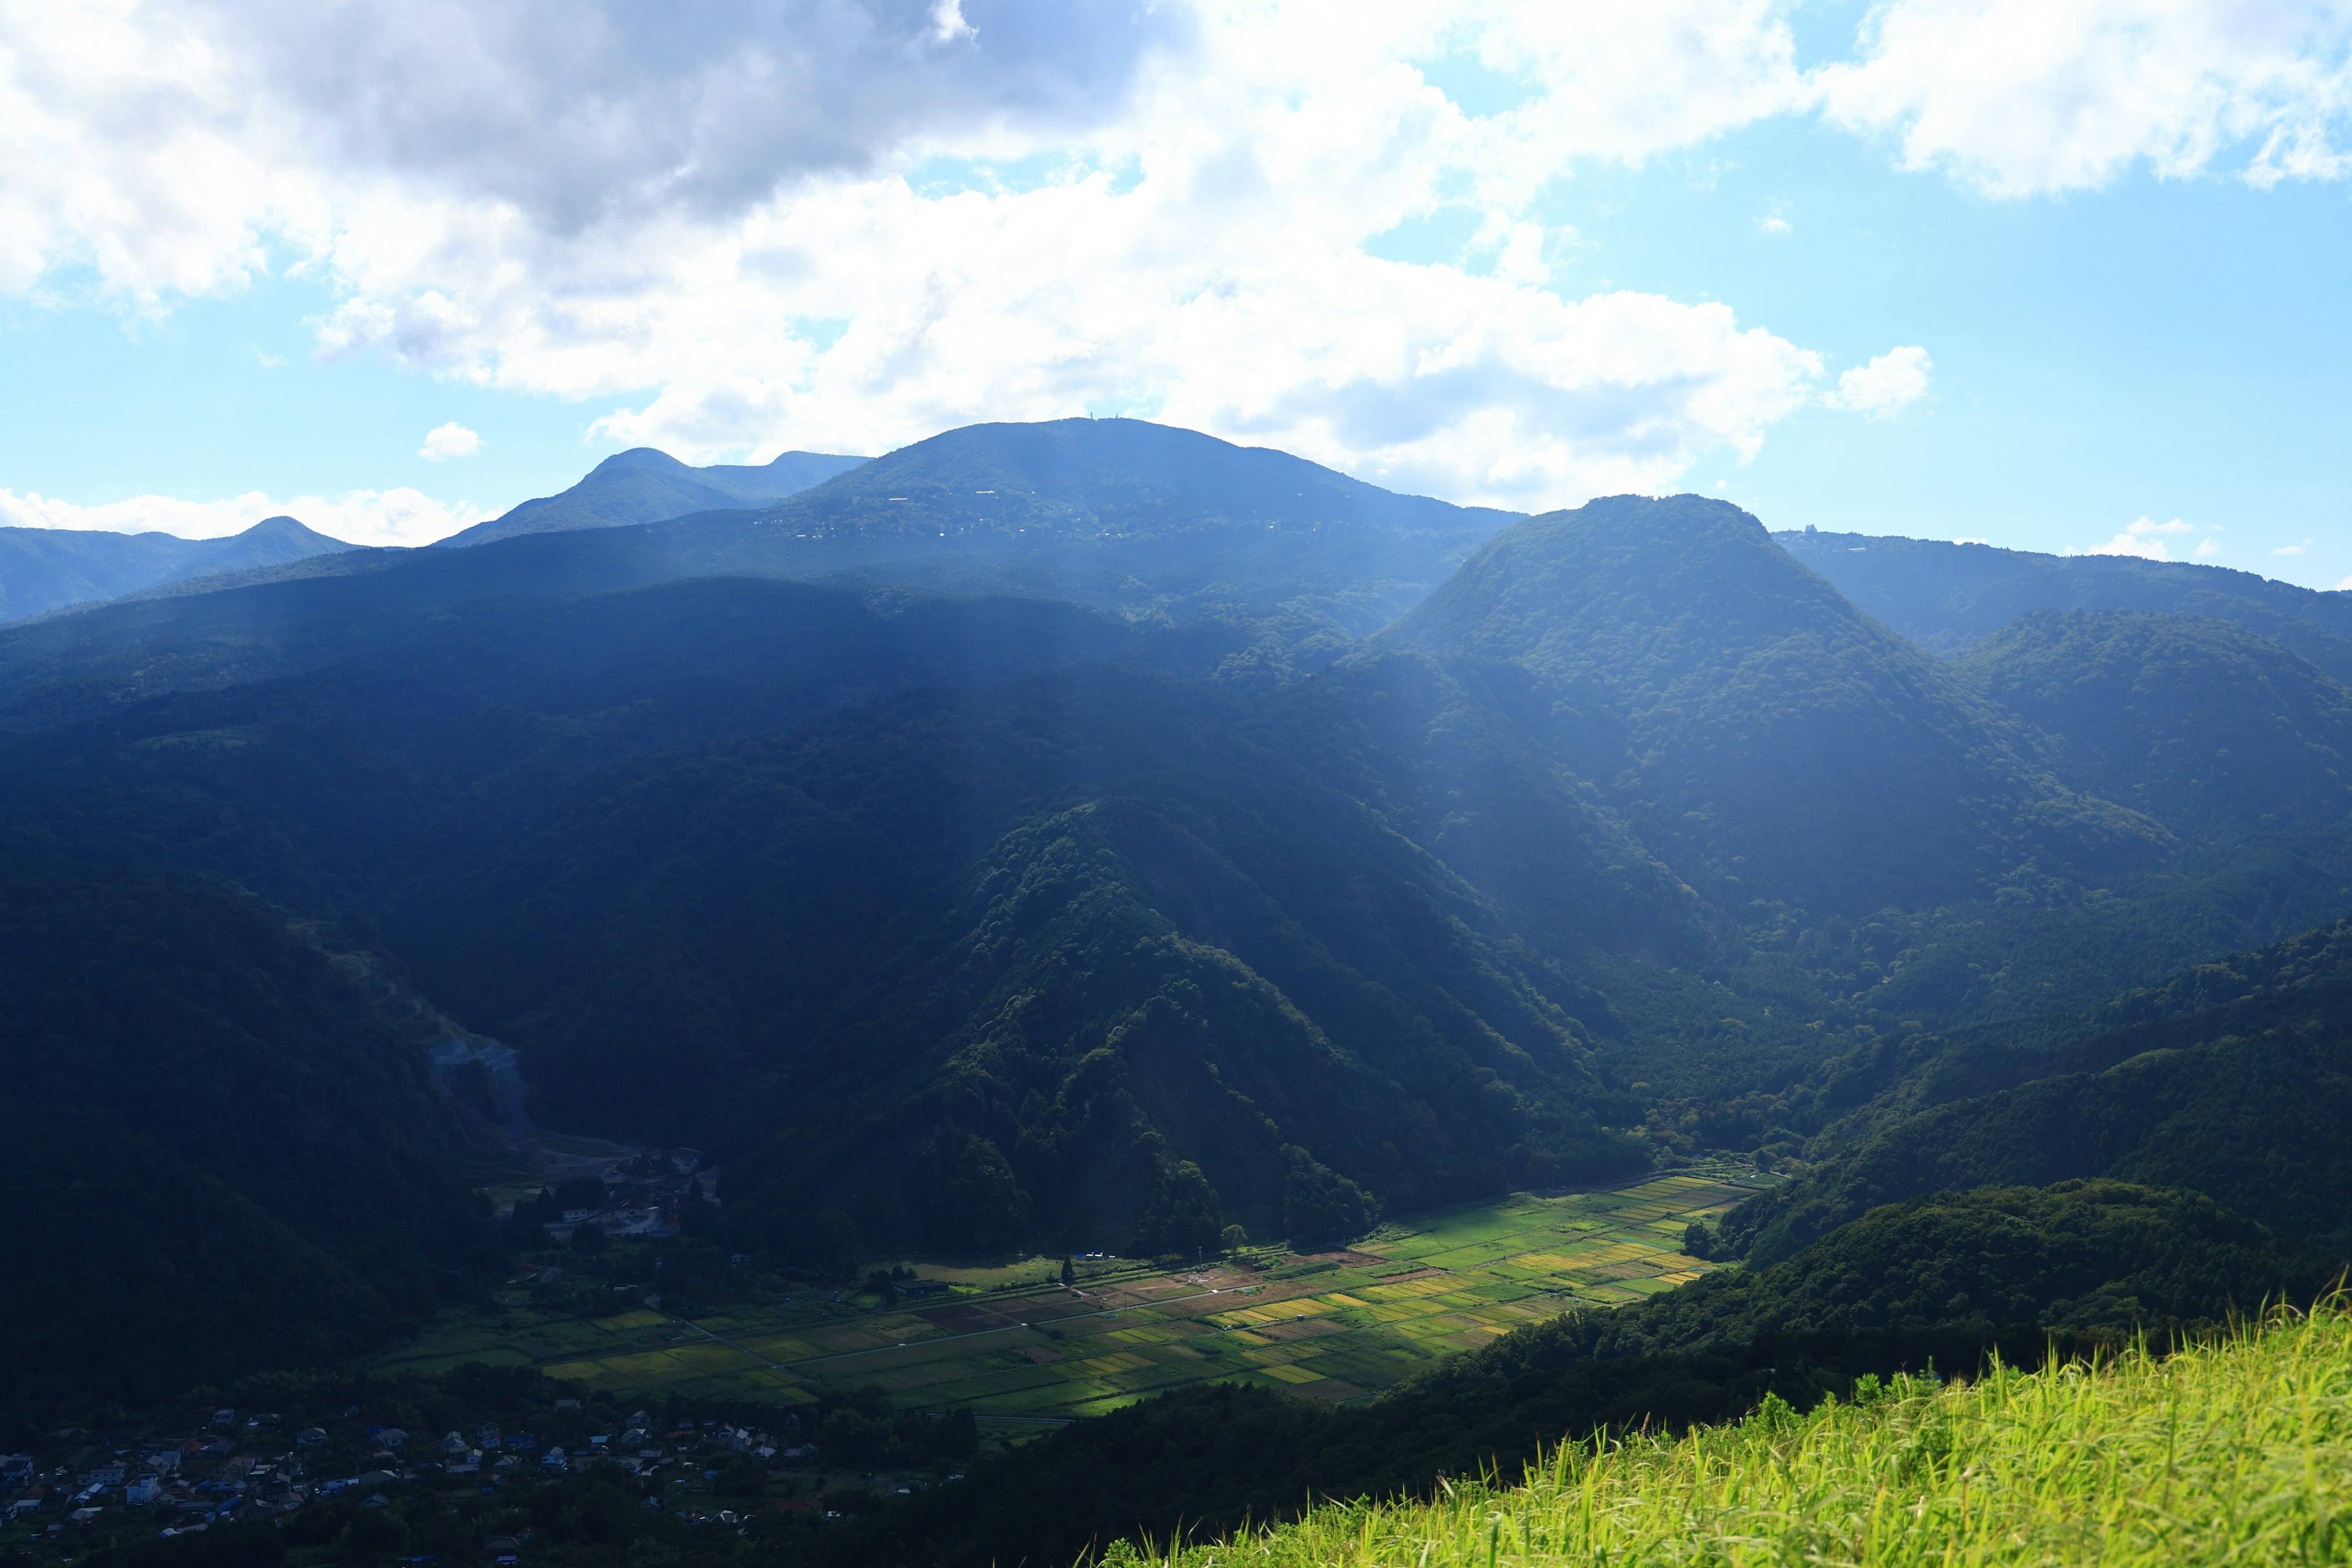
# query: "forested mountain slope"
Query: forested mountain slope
{"points": [[2189, 719], [2233, 1080], [1082, 920], [228, 1155], [643, 485], [1766, 738], [1947, 596], [44, 569]]}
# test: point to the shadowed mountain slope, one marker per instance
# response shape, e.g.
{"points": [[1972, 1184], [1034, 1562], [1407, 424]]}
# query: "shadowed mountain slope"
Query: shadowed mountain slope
{"points": [[2190, 719], [2233, 1080], [1763, 736], [1947, 596], [1084, 920], [643, 485], [44, 569]]}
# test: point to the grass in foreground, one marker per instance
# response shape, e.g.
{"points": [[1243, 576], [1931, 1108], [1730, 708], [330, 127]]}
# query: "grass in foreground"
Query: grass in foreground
{"points": [[2239, 1452]]}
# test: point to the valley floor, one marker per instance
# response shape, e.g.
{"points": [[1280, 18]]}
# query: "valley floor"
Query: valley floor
{"points": [[1012, 1343]]}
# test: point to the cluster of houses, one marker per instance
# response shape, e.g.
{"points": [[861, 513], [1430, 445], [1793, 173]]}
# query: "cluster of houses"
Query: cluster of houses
{"points": [[195, 1483], [211, 1477]]}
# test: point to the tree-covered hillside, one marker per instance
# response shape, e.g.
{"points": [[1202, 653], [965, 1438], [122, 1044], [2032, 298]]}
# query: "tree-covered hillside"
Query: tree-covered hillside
{"points": [[224, 1158], [2233, 1079], [1947, 596], [1080, 920], [2195, 722], [1765, 738]]}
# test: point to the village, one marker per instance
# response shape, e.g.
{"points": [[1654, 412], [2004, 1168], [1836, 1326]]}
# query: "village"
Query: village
{"points": [[88, 1490]]}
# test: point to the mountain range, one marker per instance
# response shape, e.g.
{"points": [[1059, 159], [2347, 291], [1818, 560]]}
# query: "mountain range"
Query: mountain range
{"points": [[642, 485], [44, 569], [1093, 835]]}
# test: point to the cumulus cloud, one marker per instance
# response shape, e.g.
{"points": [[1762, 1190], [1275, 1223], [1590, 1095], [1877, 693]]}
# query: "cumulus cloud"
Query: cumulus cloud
{"points": [[444, 442], [359, 517], [1886, 386], [2143, 537], [2128, 543], [2208, 547], [2026, 97], [848, 224]]}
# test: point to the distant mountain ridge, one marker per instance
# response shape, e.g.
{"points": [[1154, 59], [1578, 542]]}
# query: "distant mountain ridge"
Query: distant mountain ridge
{"points": [[1947, 596], [44, 569], [646, 485]]}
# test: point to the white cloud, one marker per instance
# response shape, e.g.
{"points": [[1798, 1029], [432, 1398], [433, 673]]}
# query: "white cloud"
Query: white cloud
{"points": [[2345, 587], [848, 224], [361, 517], [2288, 550], [1775, 225], [2128, 543], [2208, 547], [444, 442], [1886, 386], [2145, 526], [2025, 97]]}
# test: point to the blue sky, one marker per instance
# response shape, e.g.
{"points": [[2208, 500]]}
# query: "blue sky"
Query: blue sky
{"points": [[1517, 255]]}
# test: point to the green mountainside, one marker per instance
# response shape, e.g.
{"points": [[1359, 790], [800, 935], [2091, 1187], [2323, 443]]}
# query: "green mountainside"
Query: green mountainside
{"points": [[1767, 739], [643, 485], [1947, 596], [225, 1158], [2231, 1079], [1078, 919], [44, 569], [2188, 719]]}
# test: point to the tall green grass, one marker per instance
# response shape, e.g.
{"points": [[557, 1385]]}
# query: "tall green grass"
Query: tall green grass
{"points": [[2239, 1451]]}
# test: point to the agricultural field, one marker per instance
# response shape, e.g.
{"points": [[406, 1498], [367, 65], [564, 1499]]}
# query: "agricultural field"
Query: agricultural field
{"points": [[1012, 1343]]}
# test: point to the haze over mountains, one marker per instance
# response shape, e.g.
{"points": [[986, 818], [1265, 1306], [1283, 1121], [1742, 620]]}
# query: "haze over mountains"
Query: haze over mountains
{"points": [[1092, 836]]}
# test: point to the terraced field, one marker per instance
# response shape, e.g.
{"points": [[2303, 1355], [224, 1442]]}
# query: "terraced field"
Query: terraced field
{"points": [[1333, 1325]]}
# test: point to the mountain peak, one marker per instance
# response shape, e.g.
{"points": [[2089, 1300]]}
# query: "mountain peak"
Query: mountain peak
{"points": [[293, 529], [1752, 696], [649, 458]]}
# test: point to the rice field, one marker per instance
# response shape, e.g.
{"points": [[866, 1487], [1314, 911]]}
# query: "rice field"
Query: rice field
{"points": [[1012, 1343], [2234, 1453]]}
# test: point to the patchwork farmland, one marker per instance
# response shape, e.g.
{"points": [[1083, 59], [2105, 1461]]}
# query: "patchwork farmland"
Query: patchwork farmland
{"points": [[1013, 1343]]}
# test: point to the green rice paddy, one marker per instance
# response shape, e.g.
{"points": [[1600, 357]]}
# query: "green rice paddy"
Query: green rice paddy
{"points": [[1012, 1343]]}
